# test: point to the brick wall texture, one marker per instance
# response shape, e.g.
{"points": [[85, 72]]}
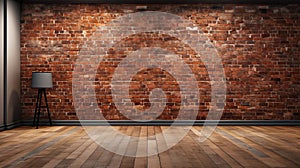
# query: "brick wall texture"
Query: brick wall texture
{"points": [[259, 46]]}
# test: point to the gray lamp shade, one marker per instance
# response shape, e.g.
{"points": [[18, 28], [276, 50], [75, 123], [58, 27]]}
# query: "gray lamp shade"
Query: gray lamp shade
{"points": [[41, 80]]}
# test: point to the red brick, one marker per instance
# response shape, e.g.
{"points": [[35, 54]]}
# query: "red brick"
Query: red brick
{"points": [[259, 47]]}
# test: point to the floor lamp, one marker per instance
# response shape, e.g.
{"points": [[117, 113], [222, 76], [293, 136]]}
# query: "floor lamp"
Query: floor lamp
{"points": [[41, 81]]}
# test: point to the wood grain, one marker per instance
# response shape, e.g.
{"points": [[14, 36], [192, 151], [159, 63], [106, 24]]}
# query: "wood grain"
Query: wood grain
{"points": [[228, 146]]}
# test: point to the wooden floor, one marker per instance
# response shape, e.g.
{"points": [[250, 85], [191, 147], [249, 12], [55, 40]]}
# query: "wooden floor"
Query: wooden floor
{"points": [[229, 146]]}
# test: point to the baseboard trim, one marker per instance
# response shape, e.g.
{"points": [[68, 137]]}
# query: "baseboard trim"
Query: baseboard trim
{"points": [[168, 123], [2, 127], [10, 125], [13, 125]]}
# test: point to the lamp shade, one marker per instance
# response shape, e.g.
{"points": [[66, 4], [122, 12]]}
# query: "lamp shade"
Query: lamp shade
{"points": [[41, 80]]}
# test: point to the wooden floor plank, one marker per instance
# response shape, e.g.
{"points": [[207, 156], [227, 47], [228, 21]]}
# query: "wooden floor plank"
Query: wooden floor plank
{"points": [[272, 159], [199, 152], [228, 146], [286, 151], [131, 146], [29, 147], [122, 144], [66, 145], [142, 148], [238, 150], [153, 160], [213, 144], [255, 150], [164, 157], [107, 159]]}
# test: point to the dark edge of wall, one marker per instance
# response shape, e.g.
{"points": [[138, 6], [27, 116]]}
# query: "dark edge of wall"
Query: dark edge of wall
{"points": [[166, 1], [167, 123], [5, 64]]}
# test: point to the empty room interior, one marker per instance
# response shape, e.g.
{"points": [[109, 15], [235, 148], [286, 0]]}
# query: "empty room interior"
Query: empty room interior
{"points": [[149, 83]]}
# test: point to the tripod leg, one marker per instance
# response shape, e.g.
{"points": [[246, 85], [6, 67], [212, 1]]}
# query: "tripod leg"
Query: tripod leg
{"points": [[39, 111], [47, 107], [36, 107]]}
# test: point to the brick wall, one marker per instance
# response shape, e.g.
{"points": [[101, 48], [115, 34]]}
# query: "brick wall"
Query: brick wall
{"points": [[259, 46]]}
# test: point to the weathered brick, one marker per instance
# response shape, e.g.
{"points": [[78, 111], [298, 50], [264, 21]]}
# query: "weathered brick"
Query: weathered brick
{"points": [[259, 47]]}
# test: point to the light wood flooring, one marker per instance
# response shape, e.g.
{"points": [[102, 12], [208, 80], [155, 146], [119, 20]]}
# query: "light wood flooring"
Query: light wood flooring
{"points": [[228, 146]]}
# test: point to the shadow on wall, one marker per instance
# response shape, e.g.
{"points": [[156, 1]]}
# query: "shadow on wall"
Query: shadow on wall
{"points": [[14, 110]]}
